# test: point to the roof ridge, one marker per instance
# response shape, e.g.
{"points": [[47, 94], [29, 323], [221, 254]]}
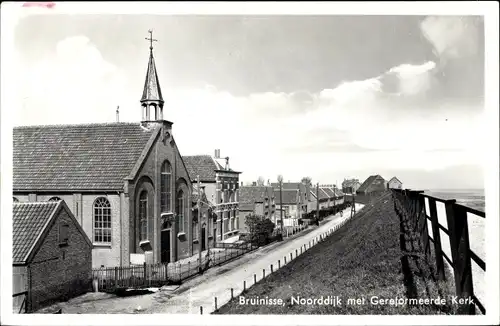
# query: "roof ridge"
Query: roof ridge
{"points": [[36, 202], [78, 125]]}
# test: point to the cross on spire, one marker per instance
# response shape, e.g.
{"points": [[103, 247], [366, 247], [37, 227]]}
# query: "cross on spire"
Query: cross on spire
{"points": [[151, 39]]}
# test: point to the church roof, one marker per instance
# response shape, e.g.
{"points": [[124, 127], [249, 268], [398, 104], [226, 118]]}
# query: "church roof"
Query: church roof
{"points": [[152, 90], [76, 157]]}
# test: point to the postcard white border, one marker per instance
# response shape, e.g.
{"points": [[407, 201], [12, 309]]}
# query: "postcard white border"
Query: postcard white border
{"points": [[12, 12]]}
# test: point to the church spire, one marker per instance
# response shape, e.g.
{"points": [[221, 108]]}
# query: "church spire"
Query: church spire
{"points": [[152, 100]]}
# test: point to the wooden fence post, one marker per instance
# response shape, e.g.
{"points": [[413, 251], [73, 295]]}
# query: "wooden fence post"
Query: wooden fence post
{"points": [[460, 246], [438, 251]]}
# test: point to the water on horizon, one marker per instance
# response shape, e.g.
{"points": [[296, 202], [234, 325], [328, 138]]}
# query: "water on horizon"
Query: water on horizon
{"points": [[473, 198]]}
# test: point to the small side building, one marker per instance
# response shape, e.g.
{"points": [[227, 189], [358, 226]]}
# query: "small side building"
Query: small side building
{"points": [[52, 255], [394, 183]]}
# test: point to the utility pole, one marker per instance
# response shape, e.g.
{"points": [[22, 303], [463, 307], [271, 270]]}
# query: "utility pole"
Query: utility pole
{"points": [[317, 203], [280, 180], [353, 208], [199, 221]]}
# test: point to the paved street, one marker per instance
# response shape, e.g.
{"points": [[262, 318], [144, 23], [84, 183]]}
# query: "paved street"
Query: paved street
{"points": [[203, 294]]}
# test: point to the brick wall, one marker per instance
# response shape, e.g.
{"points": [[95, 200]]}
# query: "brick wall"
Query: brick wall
{"points": [[180, 247], [57, 273]]}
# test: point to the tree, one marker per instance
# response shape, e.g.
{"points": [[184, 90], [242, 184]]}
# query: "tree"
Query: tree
{"points": [[306, 181], [260, 181], [260, 229]]}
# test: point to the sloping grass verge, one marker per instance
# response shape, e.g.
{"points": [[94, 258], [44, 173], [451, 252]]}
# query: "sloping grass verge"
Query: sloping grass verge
{"points": [[356, 267]]}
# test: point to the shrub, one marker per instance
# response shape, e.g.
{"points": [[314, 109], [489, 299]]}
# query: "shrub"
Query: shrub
{"points": [[260, 229]]}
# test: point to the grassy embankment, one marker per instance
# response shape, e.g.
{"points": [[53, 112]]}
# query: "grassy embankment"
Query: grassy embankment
{"points": [[365, 258]]}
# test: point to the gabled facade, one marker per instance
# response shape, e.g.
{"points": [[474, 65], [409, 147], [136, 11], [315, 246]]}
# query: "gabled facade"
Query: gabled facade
{"points": [[221, 185], [126, 183], [394, 183], [51, 254]]}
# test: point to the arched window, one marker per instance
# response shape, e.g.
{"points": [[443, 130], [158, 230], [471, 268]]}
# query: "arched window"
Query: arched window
{"points": [[55, 199], [102, 221], [166, 187], [180, 210], [15, 200], [143, 214]]}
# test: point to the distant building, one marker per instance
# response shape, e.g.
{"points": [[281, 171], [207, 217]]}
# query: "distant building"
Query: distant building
{"points": [[258, 200], [221, 188], [290, 202], [329, 197], [203, 232], [52, 255], [350, 186], [395, 183], [304, 194], [373, 184]]}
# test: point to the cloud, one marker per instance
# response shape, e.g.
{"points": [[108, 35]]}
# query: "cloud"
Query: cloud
{"points": [[452, 36], [77, 85], [381, 122]]}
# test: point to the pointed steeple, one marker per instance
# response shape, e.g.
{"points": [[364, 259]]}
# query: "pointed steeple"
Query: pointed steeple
{"points": [[152, 100]]}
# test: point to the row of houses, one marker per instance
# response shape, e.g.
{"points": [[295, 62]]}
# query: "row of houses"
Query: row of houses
{"points": [[291, 201]]}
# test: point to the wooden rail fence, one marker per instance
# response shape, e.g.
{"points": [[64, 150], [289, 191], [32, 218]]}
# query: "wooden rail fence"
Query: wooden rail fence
{"points": [[156, 275], [421, 210]]}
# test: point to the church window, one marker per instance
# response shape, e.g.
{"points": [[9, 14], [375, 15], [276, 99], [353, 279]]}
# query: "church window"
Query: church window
{"points": [[143, 214], [102, 221], [166, 187], [180, 210], [55, 199]]}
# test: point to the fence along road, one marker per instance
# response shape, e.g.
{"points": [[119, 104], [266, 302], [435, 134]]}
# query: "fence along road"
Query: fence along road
{"points": [[203, 295]]}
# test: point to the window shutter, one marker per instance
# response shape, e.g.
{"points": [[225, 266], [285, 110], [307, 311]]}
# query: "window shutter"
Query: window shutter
{"points": [[63, 233]]}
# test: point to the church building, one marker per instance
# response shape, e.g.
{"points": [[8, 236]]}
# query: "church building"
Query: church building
{"points": [[126, 183]]}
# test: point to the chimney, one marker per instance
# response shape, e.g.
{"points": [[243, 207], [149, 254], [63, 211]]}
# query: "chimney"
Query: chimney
{"points": [[118, 114], [227, 163], [217, 153]]}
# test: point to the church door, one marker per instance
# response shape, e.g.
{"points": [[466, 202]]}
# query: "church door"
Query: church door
{"points": [[165, 246]]}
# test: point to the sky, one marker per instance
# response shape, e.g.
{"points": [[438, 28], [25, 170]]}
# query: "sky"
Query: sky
{"points": [[329, 97]]}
